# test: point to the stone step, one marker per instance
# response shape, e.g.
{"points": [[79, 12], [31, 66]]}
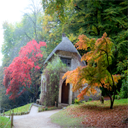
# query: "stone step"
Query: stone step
{"points": [[62, 105]]}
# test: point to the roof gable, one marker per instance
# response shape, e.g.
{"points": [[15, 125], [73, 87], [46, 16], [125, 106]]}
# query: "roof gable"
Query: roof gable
{"points": [[64, 45]]}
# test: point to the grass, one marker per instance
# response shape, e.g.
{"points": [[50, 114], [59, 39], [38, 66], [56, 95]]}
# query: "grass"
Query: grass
{"points": [[4, 121], [121, 102], [66, 120], [20, 110], [107, 103], [93, 114], [42, 108]]}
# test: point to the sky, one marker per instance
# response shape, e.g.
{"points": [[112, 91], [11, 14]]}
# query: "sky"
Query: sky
{"points": [[11, 11]]}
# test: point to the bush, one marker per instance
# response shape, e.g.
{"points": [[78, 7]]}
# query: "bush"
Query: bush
{"points": [[76, 101], [117, 97], [90, 99], [46, 108], [102, 99], [52, 76], [124, 89], [84, 102]]}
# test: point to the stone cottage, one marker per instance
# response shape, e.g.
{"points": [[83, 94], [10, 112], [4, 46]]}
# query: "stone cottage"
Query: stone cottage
{"points": [[71, 57]]}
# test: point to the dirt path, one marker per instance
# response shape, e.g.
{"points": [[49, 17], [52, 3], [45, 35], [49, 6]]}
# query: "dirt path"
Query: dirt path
{"points": [[35, 119]]}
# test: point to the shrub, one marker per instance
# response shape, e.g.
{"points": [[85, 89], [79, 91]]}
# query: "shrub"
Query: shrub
{"points": [[46, 108], [124, 89], [102, 99], [52, 75], [76, 101], [117, 97], [72, 101], [90, 99], [84, 102]]}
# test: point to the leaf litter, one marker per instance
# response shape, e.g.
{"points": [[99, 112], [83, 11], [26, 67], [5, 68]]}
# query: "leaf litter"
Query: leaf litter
{"points": [[100, 117]]}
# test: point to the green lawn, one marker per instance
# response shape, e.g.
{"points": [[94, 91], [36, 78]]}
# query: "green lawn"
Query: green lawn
{"points": [[42, 108], [76, 115], [20, 110], [121, 102], [4, 121], [107, 103], [66, 120]]}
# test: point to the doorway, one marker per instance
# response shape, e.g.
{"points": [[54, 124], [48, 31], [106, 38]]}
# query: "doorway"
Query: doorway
{"points": [[65, 93]]}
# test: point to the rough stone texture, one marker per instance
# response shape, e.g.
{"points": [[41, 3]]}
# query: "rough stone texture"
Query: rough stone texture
{"points": [[86, 98], [75, 58], [75, 62], [43, 88]]}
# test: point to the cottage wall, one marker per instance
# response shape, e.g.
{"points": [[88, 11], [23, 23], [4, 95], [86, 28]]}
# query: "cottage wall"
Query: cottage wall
{"points": [[75, 62], [75, 58], [43, 88], [65, 49], [86, 98]]}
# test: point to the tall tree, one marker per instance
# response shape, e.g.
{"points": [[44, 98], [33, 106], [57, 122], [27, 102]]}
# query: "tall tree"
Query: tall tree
{"points": [[19, 73], [17, 35], [93, 18], [97, 73], [2, 88], [8, 43], [52, 31]]}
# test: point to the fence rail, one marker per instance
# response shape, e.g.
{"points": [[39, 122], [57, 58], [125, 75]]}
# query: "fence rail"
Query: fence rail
{"points": [[7, 124], [11, 119], [11, 115]]}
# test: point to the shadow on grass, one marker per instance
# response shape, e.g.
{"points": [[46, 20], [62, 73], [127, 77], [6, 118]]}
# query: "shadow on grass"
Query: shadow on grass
{"points": [[98, 108], [65, 120]]}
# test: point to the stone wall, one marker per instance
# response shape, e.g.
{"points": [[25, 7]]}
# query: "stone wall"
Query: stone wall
{"points": [[75, 62], [43, 89], [75, 58], [86, 98]]}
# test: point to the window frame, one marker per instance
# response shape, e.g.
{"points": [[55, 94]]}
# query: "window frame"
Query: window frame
{"points": [[66, 61]]}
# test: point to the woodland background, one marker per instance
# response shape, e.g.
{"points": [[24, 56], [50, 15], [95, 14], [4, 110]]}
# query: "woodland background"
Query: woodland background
{"points": [[74, 17]]}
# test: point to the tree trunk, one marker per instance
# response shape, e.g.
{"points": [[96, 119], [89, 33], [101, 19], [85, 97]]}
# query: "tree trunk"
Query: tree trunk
{"points": [[111, 105], [111, 102]]}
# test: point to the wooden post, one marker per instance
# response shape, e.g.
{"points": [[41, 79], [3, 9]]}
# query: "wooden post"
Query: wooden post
{"points": [[55, 103], [3, 112], [12, 118], [0, 111], [10, 114]]}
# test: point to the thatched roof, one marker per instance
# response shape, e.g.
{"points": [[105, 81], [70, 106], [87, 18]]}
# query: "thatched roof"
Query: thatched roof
{"points": [[64, 45]]}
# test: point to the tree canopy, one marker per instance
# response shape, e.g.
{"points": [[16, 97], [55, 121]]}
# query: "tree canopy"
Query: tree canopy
{"points": [[18, 75], [72, 17], [97, 73]]}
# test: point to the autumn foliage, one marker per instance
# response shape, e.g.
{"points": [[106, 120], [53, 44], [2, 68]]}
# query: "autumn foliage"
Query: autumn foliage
{"points": [[98, 116], [18, 75], [97, 73]]}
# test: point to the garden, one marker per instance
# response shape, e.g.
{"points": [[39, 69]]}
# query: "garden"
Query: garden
{"points": [[93, 114]]}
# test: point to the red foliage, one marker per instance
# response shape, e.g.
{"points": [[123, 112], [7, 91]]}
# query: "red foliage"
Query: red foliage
{"points": [[18, 74]]}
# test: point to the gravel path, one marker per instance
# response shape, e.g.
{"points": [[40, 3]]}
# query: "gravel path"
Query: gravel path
{"points": [[35, 119]]}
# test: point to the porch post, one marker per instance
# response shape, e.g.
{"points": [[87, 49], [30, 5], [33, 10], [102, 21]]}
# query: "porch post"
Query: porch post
{"points": [[70, 94]]}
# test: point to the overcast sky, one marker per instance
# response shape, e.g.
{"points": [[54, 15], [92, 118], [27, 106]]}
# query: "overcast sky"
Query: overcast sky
{"points": [[11, 11]]}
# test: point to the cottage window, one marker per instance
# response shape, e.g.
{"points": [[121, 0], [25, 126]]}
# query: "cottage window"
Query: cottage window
{"points": [[66, 61]]}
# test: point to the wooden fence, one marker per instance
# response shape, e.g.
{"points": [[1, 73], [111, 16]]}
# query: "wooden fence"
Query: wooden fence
{"points": [[11, 116]]}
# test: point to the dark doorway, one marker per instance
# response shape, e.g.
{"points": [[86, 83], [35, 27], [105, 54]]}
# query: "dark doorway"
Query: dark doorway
{"points": [[65, 93]]}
